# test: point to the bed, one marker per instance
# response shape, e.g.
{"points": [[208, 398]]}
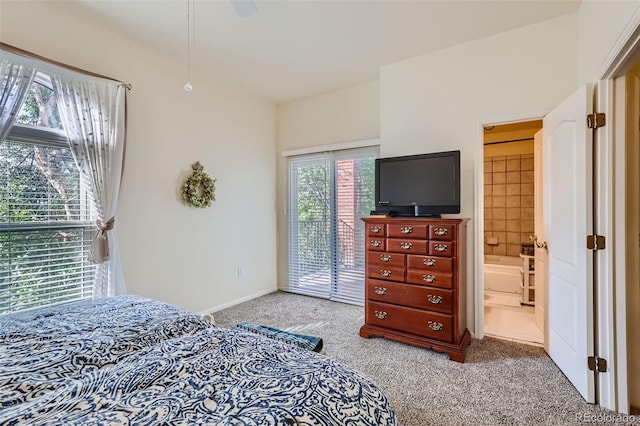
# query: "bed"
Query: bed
{"points": [[135, 361]]}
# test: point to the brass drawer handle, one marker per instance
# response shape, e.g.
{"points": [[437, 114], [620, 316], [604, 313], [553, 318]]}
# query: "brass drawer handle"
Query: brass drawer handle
{"points": [[385, 257], [436, 300], [385, 273], [429, 278], [435, 326], [380, 290], [440, 231], [440, 247], [382, 315], [406, 246], [406, 229], [376, 243], [375, 229], [429, 262]]}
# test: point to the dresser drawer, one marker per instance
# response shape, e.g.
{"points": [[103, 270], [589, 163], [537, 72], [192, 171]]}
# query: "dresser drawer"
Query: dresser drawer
{"points": [[441, 248], [430, 263], [383, 272], [414, 321], [408, 231], [376, 243], [442, 232], [407, 246], [376, 229], [432, 279], [414, 296], [386, 259]]}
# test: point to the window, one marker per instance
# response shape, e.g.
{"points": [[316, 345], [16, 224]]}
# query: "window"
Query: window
{"points": [[46, 217], [328, 195]]}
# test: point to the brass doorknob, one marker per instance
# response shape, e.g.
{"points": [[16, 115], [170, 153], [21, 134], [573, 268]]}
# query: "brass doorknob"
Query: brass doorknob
{"points": [[542, 245]]}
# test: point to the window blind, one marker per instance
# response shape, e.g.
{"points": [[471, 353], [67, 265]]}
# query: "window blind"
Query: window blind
{"points": [[46, 223], [328, 195], [310, 225]]}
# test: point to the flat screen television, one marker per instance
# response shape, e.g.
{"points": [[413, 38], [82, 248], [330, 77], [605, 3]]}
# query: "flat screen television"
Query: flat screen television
{"points": [[418, 185]]}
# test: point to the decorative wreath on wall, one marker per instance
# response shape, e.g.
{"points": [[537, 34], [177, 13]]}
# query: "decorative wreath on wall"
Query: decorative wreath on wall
{"points": [[199, 189]]}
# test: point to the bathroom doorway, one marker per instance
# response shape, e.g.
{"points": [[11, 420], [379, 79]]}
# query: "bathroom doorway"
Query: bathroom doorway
{"points": [[512, 300]]}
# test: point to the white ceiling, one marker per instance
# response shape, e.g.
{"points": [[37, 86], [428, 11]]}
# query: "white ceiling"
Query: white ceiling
{"points": [[291, 49]]}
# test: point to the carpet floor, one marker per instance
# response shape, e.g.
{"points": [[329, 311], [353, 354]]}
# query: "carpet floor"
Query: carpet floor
{"points": [[500, 382]]}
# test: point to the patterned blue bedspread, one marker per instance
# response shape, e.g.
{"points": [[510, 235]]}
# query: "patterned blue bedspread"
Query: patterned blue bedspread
{"points": [[134, 361]]}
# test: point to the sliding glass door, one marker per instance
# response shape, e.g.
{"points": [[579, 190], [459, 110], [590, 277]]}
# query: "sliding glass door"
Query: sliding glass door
{"points": [[328, 195]]}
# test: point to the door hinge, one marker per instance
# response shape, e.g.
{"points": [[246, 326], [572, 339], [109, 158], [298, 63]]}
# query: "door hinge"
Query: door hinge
{"points": [[595, 242], [597, 364], [595, 120]]}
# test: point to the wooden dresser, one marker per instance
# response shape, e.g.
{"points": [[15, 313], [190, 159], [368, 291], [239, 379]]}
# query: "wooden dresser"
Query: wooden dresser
{"points": [[416, 283]]}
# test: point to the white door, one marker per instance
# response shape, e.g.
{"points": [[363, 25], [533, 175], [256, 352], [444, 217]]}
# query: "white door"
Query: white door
{"points": [[567, 207], [540, 252]]}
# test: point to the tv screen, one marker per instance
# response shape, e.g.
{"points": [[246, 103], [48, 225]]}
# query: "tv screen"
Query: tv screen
{"points": [[418, 185]]}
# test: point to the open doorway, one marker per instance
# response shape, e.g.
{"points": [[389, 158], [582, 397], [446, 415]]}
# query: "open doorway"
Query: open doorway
{"points": [[608, 307], [511, 297]]}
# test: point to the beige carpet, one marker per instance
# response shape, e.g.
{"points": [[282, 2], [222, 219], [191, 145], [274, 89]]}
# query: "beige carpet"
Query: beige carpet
{"points": [[501, 383]]}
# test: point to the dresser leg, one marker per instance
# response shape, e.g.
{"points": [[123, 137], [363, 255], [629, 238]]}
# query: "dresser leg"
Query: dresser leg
{"points": [[458, 356], [368, 333]]}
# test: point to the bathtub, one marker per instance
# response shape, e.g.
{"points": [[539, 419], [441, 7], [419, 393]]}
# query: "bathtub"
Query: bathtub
{"points": [[503, 280]]}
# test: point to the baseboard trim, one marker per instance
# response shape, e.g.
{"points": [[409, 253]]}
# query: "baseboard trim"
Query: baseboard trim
{"points": [[238, 301]]}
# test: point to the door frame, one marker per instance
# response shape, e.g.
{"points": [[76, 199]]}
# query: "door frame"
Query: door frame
{"points": [[478, 196], [610, 212]]}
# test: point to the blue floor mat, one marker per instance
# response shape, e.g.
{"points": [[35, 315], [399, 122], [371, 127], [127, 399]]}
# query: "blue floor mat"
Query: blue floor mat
{"points": [[311, 343]]}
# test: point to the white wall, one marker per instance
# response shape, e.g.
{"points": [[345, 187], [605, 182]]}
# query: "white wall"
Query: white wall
{"points": [[437, 101], [172, 252], [600, 26], [346, 115]]}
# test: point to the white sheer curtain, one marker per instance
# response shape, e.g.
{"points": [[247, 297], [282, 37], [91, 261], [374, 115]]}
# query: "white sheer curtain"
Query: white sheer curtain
{"points": [[92, 111], [16, 78]]}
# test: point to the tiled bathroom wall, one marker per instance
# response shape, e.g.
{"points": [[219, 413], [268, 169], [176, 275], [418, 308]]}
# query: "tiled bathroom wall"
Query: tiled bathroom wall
{"points": [[508, 203]]}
